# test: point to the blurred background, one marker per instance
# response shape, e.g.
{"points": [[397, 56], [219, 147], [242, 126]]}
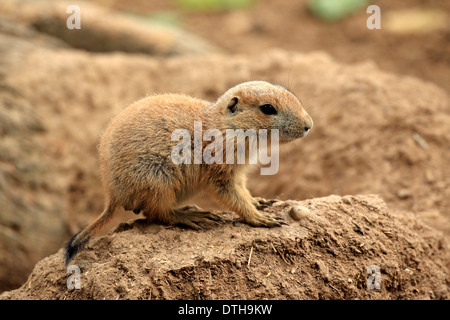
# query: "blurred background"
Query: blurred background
{"points": [[379, 99]]}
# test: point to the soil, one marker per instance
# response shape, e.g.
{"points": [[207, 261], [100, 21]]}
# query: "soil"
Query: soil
{"points": [[381, 126], [323, 256], [290, 25]]}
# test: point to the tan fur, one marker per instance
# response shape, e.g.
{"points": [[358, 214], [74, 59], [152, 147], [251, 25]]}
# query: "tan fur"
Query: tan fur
{"points": [[135, 154]]}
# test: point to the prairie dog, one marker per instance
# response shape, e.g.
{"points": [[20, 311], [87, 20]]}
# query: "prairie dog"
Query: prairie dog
{"points": [[139, 174]]}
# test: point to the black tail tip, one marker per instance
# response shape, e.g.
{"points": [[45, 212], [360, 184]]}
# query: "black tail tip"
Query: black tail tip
{"points": [[72, 247]]}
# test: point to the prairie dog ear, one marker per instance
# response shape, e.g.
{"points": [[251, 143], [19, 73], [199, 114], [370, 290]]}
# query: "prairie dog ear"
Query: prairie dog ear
{"points": [[232, 105]]}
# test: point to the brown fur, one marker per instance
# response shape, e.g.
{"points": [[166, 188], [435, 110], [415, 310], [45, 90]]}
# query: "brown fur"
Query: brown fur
{"points": [[138, 173]]}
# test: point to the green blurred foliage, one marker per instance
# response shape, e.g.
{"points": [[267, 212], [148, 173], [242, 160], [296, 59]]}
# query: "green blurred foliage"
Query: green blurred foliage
{"points": [[333, 10]]}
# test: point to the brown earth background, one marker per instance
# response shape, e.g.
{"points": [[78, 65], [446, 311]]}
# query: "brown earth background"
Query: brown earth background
{"points": [[381, 109]]}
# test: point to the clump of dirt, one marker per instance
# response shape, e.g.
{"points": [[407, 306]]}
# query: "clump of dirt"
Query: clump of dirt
{"points": [[325, 255]]}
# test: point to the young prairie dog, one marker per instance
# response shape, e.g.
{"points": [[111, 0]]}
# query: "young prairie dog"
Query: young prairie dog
{"points": [[139, 174]]}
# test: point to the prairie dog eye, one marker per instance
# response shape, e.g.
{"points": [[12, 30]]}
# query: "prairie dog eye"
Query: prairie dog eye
{"points": [[268, 109]]}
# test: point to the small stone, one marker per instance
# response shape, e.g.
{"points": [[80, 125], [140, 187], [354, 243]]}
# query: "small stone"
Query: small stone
{"points": [[299, 212], [346, 200], [404, 193], [430, 177]]}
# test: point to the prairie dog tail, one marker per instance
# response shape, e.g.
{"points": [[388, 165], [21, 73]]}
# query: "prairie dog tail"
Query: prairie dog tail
{"points": [[79, 239]]}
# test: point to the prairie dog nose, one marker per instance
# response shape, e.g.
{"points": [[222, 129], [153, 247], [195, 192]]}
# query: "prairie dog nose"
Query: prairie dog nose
{"points": [[307, 127]]}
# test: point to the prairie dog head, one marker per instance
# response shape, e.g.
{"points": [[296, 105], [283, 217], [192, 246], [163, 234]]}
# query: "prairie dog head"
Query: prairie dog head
{"points": [[262, 105]]}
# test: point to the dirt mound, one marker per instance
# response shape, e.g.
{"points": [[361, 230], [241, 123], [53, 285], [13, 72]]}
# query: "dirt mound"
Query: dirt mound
{"points": [[26, 213], [32, 224], [289, 25], [323, 256]]}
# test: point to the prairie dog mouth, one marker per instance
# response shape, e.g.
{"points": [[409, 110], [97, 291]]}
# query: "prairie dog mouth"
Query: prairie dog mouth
{"points": [[286, 135], [304, 134]]}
